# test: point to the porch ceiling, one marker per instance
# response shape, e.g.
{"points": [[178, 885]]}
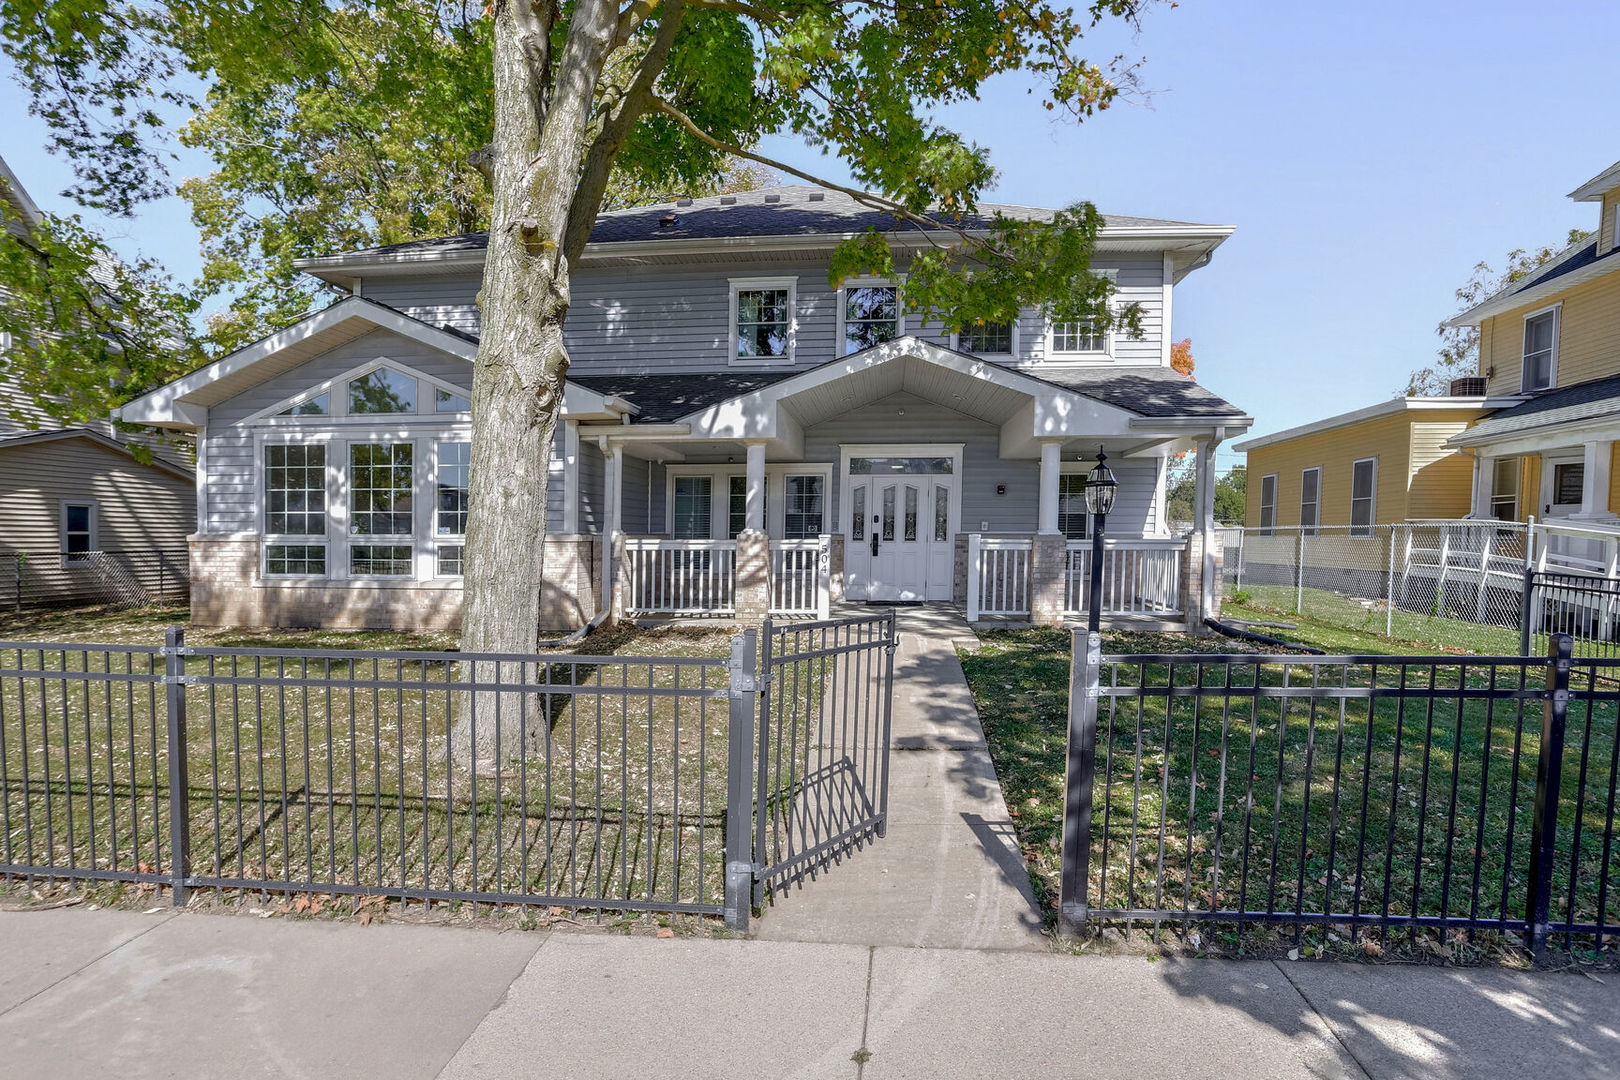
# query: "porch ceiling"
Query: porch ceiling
{"points": [[965, 392]]}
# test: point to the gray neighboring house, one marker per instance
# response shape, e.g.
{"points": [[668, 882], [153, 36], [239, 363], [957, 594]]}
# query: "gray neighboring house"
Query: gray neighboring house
{"points": [[739, 436], [81, 519]]}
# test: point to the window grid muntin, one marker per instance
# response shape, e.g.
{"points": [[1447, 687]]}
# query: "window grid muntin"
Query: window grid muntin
{"points": [[381, 498], [295, 489], [381, 560], [295, 560], [989, 337], [1078, 336], [454, 463]]}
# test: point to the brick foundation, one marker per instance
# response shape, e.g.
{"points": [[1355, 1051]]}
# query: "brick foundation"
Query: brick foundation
{"points": [[753, 595]]}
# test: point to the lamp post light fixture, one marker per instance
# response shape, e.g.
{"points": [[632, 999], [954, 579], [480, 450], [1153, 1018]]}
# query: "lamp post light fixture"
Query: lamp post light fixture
{"points": [[1101, 486]]}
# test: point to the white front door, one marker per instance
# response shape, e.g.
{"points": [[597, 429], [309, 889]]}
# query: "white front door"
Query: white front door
{"points": [[899, 541]]}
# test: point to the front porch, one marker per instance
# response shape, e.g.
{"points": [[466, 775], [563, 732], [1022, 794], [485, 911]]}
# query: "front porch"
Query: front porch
{"points": [[780, 502]]}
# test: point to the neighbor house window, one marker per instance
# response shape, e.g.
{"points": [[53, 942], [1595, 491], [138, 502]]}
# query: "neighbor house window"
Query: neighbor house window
{"points": [[382, 391], [1268, 503], [294, 507], [78, 531], [762, 319], [802, 510], [986, 338], [381, 508], [1079, 336], [1505, 489], [1310, 500], [692, 507], [1363, 496], [871, 316], [1540, 350], [450, 505], [1074, 520]]}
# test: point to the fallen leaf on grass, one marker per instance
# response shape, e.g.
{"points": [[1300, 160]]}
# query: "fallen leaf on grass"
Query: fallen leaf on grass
{"points": [[664, 931]]}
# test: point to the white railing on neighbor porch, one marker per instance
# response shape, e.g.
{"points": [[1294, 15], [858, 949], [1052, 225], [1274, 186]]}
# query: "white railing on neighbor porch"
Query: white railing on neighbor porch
{"points": [[681, 577], [998, 575], [797, 579], [1140, 577]]}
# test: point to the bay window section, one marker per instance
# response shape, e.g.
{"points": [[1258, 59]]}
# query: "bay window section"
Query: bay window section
{"points": [[381, 510], [295, 510], [452, 464]]}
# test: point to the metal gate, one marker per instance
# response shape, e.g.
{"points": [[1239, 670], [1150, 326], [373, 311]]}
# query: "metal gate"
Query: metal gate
{"points": [[822, 766]]}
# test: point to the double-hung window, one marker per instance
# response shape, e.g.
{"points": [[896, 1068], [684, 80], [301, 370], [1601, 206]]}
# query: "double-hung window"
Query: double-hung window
{"points": [[802, 510], [1310, 500], [762, 319], [692, 507], [78, 532], [870, 316], [452, 464], [986, 339], [295, 510], [1363, 496], [1074, 520], [1540, 350], [1268, 504], [381, 509]]}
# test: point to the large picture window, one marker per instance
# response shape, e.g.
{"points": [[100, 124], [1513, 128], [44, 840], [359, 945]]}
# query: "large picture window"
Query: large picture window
{"points": [[871, 316], [381, 505]]}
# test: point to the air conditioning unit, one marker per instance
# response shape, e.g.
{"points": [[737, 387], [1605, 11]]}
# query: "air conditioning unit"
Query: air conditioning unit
{"points": [[1468, 386]]}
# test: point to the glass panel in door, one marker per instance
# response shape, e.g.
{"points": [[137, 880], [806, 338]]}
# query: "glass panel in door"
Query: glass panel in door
{"points": [[911, 512], [888, 513]]}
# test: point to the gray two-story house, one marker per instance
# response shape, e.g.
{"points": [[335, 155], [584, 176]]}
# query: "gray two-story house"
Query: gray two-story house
{"points": [[720, 388]]}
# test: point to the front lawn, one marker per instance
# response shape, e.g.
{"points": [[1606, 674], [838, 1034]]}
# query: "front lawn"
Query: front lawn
{"points": [[1342, 625]]}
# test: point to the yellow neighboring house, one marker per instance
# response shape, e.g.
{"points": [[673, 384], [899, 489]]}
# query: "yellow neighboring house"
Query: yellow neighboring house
{"points": [[1534, 433]]}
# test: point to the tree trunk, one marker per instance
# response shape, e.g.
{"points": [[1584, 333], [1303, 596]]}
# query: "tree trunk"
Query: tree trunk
{"points": [[522, 363]]}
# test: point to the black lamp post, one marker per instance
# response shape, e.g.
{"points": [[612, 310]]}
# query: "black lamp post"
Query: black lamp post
{"points": [[1100, 489]]}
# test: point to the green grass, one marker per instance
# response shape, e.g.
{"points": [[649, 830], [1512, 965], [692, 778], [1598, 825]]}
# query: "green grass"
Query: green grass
{"points": [[1161, 767], [1341, 624]]}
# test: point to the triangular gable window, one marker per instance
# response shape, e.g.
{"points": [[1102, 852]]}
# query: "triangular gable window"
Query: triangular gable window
{"points": [[382, 390], [319, 405], [445, 401]]}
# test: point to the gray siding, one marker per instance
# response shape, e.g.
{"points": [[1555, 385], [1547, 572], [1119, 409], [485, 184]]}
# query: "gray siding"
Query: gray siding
{"points": [[139, 507], [591, 475], [676, 317]]}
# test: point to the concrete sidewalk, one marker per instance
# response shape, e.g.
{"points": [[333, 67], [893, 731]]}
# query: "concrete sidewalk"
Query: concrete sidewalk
{"points": [[949, 873], [126, 995]]}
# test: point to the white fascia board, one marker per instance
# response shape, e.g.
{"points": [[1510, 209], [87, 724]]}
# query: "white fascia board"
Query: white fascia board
{"points": [[1538, 440], [1600, 185], [1373, 412]]}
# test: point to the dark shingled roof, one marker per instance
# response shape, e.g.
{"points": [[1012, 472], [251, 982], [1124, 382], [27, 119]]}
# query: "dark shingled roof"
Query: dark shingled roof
{"points": [[667, 398], [1568, 404], [1147, 391], [1156, 391], [789, 210]]}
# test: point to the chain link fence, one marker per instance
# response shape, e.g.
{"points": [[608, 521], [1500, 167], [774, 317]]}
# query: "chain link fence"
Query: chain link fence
{"points": [[39, 579], [1460, 581]]}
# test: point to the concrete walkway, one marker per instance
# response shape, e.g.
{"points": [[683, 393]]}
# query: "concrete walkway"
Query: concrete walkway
{"points": [[949, 874], [128, 996]]}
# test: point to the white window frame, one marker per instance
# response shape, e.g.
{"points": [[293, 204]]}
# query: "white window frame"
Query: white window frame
{"points": [[412, 539], [436, 539], [1517, 471], [269, 539], [1316, 506], [338, 403], [62, 533], [1268, 528], [1556, 311], [1081, 469], [776, 474], [898, 283], [1052, 354], [741, 285], [1367, 531], [1012, 342]]}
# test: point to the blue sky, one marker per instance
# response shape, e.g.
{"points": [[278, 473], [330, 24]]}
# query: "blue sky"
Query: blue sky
{"points": [[1369, 154]]}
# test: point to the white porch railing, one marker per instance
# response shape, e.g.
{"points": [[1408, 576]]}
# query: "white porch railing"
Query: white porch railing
{"points": [[798, 578], [998, 575], [1140, 577], [682, 577]]}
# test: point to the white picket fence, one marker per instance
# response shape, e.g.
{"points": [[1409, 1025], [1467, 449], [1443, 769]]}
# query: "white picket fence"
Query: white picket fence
{"points": [[1140, 577]]}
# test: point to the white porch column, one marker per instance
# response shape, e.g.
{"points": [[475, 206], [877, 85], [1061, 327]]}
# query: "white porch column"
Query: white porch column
{"points": [[755, 518], [570, 523], [1051, 468], [1595, 480], [1484, 485], [613, 496], [1204, 528], [1204, 487]]}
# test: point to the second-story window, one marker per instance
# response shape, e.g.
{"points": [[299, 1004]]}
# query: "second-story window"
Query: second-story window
{"points": [[762, 319], [986, 338], [1080, 336], [1540, 350], [871, 316]]}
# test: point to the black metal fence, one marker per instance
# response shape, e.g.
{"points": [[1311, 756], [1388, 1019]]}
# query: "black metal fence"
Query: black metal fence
{"points": [[1425, 794], [823, 757], [37, 578], [604, 782], [1585, 607]]}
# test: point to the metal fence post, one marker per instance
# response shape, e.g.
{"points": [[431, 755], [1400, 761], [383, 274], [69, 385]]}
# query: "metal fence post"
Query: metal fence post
{"points": [[1079, 779], [1389, 589], [174, 671], [1526, 606], [1549, 776], [739, 780], [886, 737], [1299, 575]]}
